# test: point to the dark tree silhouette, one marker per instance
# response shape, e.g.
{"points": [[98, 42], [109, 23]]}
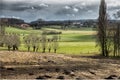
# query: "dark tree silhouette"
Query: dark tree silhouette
{"points": [[102, 29], [116, 41], [116, 36]]}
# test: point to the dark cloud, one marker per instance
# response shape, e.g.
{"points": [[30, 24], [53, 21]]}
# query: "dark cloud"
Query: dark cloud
{"points": [[21, 6], [114, 8], [78, 11], [54, 9], [64, 11]]}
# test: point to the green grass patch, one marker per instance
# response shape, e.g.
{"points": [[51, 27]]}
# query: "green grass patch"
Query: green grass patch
{"points": [[77, 38], [75, 42], [21, 31], [77, 47]]}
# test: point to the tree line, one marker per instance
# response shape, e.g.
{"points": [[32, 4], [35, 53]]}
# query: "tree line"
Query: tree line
{"points": [[32, 42]]}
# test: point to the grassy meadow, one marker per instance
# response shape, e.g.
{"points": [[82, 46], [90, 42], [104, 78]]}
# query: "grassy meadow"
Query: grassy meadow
{"points": [[73, 41]]}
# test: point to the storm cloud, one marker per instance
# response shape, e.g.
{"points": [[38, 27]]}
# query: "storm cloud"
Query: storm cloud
{"points": [[55, 9]]}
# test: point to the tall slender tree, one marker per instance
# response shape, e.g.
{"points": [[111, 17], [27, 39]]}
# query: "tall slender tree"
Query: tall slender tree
{"points": [[116, 40], [102, 29]]}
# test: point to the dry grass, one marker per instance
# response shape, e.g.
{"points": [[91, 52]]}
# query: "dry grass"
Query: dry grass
{"points": [[30, 58], [81, 32], [85, 67]]}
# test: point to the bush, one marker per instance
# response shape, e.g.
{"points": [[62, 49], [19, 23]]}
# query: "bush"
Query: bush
{"points": [[51, 32]]}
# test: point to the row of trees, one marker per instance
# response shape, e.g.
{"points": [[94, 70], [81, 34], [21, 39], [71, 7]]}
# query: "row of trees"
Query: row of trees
{"points": [[41, 42], [108, 36], [36, 42]]}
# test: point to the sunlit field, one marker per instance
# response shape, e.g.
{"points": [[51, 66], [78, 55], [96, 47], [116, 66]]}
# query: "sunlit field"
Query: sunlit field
{"points": [[74, 41]]}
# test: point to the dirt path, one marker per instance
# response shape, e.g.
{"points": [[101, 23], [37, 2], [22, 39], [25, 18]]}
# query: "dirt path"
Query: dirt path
{"points": [[24, 65]]}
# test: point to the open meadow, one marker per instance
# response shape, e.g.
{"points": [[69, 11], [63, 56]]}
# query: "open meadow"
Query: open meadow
{"points": [[76, 42], [60, 39], [77, 58]]}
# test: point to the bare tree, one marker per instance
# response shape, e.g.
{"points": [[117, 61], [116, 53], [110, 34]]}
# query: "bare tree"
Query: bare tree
{"points": [[33, 41], [49, 44], [38, 43], [117, 41], [16, 41], [55, 43], [116, 36], [43, 42], [12, 40], [27, 41], [8, 41]]}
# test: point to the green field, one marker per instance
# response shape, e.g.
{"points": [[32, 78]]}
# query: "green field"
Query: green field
{"points": [[80, 41]]}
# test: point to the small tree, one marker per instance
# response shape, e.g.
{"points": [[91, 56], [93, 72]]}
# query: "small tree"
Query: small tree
{"points": [[49, 44], [38, 43], [55, 43], [16, 41], [33, 41], [8, 41], [12, 40], [43, 42], [27, 41]]}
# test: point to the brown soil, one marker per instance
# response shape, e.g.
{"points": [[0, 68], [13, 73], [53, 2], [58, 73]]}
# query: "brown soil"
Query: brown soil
{"points": [[27, 65]]}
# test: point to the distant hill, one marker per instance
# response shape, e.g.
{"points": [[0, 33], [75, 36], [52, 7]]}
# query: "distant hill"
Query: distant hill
{"points": [[37, 24], [12, 21], [18, 23]]}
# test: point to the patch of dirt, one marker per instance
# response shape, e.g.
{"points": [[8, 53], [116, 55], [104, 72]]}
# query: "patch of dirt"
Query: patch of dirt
{"points": [[28, 65]]}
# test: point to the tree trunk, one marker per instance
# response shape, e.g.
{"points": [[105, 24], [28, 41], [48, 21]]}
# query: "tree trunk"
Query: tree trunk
{"points": [[55, 50], [28, 48], [34, 48], [49, 50], [43, 50], [13, 47], [9, 48]]}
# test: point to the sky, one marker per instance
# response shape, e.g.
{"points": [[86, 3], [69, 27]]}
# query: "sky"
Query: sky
{"points": [[30, 10]]}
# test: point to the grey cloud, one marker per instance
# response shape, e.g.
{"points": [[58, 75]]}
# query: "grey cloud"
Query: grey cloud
{"points": [[113, 8], [118, 13], [64, 11], [53, 9], [21, 6], [80, 11]]}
